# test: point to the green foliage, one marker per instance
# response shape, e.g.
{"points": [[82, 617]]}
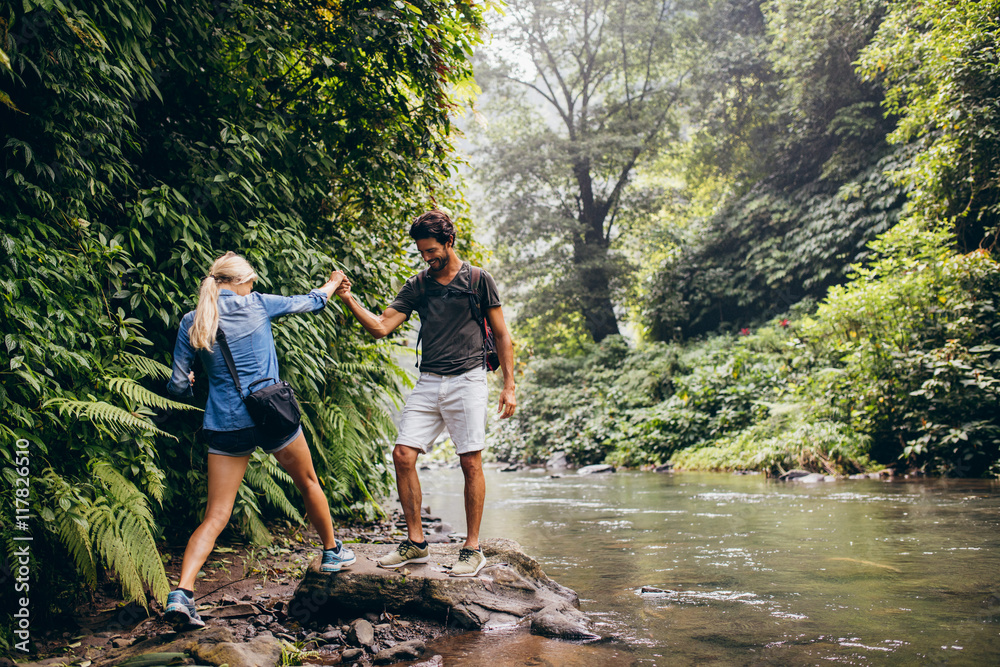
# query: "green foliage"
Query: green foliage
{"points": [[940, 66], [142, 141], [784, 178], [767, 251], [917, 336], [776, 446], [635, 407], [108, 521]]}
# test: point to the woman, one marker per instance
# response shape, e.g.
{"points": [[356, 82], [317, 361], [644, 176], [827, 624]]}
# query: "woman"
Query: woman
{"points": [[227, 302]]}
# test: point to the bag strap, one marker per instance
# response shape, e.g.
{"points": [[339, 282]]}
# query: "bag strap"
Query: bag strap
{"points": [[227, 354], [475, 278], [476, 275], [421, 296]]}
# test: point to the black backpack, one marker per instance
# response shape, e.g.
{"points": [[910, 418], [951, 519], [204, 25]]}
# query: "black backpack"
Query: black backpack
{"points": [[491, 360]]}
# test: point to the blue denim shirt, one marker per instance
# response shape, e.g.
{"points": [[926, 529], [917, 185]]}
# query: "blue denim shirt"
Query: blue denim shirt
{"points": [[247, 323]]}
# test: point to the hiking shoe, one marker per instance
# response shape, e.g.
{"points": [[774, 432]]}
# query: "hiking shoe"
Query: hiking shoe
{"points": [[181, 613], [407, 552], [470, 562], [334, 559]]}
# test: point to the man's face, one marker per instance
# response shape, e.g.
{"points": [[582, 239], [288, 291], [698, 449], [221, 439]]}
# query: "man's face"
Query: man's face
{"points": [[435, 254]]}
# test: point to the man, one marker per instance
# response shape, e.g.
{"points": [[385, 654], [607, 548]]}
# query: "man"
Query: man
{"points": [[452, 390]]}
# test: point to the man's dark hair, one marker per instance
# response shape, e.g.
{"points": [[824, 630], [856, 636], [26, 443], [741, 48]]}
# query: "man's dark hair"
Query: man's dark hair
{"points": [[433, 225]]}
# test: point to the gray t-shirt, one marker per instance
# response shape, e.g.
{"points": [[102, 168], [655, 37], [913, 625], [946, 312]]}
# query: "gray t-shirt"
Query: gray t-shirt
{"points": [[450, 336]]}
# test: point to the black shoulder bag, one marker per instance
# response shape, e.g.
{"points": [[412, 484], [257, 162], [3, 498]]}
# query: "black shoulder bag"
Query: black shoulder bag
{"points": [[273, 408]]}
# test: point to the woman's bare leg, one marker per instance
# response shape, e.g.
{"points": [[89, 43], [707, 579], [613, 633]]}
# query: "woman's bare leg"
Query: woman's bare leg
{"points": [[297, 462], [224, 476]]}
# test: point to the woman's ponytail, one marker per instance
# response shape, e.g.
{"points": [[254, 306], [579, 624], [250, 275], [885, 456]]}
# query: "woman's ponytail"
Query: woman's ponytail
{"points": [[228, 269]]}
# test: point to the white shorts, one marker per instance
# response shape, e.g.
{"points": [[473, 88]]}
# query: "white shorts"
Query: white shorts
{"points": [[455, 402]]}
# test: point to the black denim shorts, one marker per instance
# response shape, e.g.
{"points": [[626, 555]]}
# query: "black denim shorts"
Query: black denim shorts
{"points": [[244, 441]]}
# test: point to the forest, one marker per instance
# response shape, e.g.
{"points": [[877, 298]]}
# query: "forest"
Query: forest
{"points": [[750, 235], [730, 235]]}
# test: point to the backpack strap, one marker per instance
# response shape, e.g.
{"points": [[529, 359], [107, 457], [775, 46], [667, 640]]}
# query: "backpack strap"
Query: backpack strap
{"points": [[421, 299], [421, 287], [475, 304]]}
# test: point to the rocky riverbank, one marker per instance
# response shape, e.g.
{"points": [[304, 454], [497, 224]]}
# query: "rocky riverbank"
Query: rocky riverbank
{"points": [[273, 606]]}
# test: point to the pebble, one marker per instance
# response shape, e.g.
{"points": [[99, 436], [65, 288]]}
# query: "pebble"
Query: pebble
{"points": [[351, 654], [404, 651], [361, 633], [331, 636]]}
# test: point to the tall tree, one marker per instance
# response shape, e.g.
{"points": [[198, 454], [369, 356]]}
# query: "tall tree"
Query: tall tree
{"points": [[581, 92]]}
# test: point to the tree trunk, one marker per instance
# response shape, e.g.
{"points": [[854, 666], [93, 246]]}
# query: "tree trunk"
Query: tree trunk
{"points": [[598, 311], [591, 261]]}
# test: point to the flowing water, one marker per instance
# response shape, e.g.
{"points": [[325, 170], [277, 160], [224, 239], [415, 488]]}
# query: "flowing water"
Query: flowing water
{"points": [[752, 571]]}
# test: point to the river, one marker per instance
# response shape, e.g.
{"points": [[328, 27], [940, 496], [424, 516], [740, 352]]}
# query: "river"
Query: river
{"points": [[753, 571]]}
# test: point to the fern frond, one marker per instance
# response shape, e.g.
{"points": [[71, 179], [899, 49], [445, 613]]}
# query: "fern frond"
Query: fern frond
{"points": [[115, 526], [135, 392], [354, 367], [145, 366], [72, 527], [121, 490], [259, 477], [140, 544], [115, 552], [120, 421], [273, 468], [74, 532], [125, 541], [249, 515]]}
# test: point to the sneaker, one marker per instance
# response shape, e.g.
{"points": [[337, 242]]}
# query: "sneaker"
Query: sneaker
{"points": [[181, 613], [407, 552], [334, 559], [470, 562]]}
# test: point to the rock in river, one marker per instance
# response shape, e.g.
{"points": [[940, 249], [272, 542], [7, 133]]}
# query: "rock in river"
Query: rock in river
{"points": [[595, 469], [557, 461], [511, 587]]}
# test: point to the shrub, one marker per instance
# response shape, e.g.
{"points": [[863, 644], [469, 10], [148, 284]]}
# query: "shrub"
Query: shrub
{"points": [[918, 343]]}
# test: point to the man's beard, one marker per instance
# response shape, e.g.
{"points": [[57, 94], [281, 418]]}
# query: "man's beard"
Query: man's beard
{"points": [[438, 264]]}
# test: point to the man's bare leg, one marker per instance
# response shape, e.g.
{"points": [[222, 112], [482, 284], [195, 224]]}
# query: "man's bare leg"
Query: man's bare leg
{"points": [[475, 496], [408, 486]]}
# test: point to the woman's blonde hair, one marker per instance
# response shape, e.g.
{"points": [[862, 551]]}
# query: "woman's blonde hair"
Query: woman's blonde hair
{"points": [[230, 269]]}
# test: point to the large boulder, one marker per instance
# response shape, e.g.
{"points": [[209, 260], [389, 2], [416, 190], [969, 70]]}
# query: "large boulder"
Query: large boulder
{"points": [[511, 587]]}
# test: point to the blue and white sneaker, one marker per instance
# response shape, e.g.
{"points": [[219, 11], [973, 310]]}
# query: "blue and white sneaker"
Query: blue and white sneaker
{"points": [[181, 612], [334, 559]]}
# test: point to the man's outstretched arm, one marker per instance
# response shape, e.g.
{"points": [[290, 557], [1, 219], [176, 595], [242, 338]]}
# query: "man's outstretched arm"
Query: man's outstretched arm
{"points": [[378, 326], [505, 350]]}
